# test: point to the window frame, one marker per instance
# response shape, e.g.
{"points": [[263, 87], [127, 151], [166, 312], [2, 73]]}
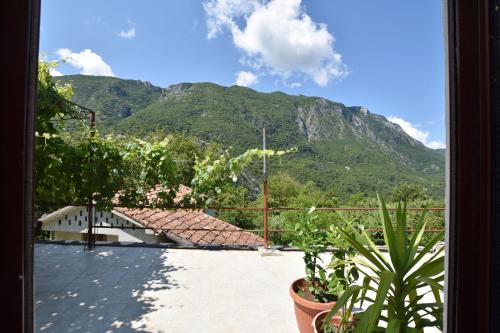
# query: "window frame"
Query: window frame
{"points": [[472, 267], [469, 167]]}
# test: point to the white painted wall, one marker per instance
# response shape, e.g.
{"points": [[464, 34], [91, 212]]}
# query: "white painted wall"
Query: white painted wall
{"points": [[71, 224], [71, 236]]}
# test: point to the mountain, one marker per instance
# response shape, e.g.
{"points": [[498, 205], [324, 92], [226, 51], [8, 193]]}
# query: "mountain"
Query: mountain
{"points": [[343, 149], [441, 151], [114, 98]]}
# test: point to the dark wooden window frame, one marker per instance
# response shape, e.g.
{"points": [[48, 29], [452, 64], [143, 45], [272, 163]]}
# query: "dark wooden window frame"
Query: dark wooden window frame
{"points": [[472, 178], [473, 238], [494, 26], [19, 26]]}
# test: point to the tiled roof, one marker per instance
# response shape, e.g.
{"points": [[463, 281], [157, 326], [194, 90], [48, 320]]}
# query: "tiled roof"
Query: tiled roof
{"points": [[192, 227], [187, 227]]}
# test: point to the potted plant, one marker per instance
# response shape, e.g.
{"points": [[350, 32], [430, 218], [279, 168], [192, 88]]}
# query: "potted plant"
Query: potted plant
{"points": [[319, 290], [344, 321], [397, 282]]}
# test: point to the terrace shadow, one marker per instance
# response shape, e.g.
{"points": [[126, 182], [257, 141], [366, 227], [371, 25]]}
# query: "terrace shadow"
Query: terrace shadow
{"points": [[109, 289]]}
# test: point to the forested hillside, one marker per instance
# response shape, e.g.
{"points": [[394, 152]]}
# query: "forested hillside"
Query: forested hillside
{"points": [[342, 150]]}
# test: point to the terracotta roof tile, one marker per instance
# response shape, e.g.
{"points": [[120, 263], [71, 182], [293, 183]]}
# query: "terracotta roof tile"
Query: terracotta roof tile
{"points": [[197, 236], [219, 238], [187, 225]]}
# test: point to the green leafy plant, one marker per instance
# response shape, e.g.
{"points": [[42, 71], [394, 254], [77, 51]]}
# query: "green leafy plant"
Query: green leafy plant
{"points": [[211, 175], [397, 283], [324, 284], [348, 317], [313, 241]]}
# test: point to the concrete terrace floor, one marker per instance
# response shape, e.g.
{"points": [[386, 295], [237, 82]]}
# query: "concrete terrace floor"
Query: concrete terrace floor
{"points": [[116, 289], [140, 289]]}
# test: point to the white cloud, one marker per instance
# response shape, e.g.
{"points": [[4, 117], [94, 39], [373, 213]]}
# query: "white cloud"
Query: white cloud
{"points": [[55, 72], [221, 13], [415, 133], [410, 129], [295, 84], [436, 145], [88, 62], [278, 37], [246, 79], [127, 34]]}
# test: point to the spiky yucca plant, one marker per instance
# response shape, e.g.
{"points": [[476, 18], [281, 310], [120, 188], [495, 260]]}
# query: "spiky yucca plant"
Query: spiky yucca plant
{"points": [[399, 282]]}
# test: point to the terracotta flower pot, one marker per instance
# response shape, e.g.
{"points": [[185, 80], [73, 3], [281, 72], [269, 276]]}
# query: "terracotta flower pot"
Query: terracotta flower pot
{"points": [[305, 310], [318, 321]]}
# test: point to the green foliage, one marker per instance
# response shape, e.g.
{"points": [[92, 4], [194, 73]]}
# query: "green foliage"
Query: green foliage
{"points": [[286, 191], [282, 190], [148, 165], [400, 281], [312, 240], [50, 109], [339, 147], [76, 166], [348, 316], [51, 174], [73, 167], [183, 150], [238, 196], [211, 175], [113, 99], [95, 167], [409, 192]]}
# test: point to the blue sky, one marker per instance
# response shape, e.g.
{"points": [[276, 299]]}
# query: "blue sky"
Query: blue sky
{"points": [[387, 55]]}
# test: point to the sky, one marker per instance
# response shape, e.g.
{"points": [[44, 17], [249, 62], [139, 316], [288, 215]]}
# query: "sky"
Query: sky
{"points": [[386, 55]]}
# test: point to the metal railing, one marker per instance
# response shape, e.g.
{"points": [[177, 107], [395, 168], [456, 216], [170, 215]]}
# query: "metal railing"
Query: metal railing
{"points": [[265, 231]]}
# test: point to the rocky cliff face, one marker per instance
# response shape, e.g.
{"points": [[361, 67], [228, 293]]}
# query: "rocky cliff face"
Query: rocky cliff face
{"points": [[175, 91], [314, 121], [327, 120]]}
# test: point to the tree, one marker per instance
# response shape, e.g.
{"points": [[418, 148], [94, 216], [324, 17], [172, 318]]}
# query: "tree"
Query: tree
{"points": [[70, 166], [408, 192], [282, 189], [237, 196], [52, 175], [183, 150]]}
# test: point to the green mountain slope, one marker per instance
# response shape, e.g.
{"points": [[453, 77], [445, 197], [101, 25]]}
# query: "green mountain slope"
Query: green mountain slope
{"points": [[342, 149], [114, 98]]}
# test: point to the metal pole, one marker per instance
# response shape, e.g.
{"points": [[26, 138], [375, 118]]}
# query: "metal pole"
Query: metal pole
{"points": [[90, 203], [266, 209]]}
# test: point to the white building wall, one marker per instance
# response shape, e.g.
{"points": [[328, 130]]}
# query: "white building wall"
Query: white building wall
{"points": [[72, 224], [71, 236]]}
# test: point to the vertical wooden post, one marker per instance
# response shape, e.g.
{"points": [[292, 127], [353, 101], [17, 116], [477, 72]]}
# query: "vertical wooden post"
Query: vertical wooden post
{"points": [[90, 203], [266, 209]]}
